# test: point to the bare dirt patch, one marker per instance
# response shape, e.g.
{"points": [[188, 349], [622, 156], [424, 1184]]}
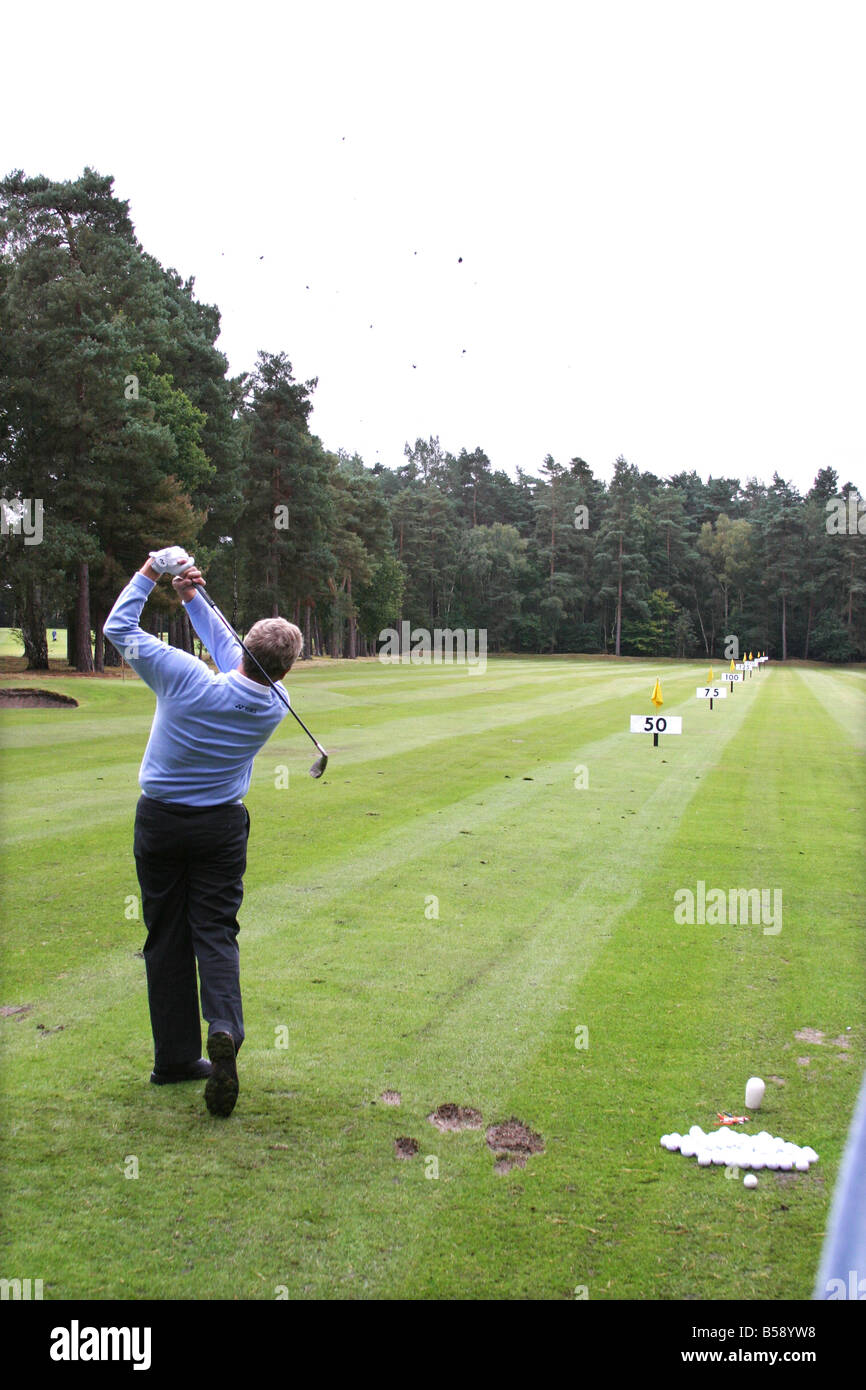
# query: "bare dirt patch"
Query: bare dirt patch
{"points": [[512, 1143], [804, 1061], [813, 1035], [390, 1097], [777, 1080], [842, 1041], [405, 1147], [20, 697], [450, 1116], [15, 1010]]}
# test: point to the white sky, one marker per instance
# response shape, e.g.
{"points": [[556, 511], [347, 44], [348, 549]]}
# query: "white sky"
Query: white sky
{"points": [[659, 205]]}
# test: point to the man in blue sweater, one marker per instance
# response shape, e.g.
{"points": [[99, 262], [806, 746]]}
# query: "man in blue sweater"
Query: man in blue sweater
{"points": [[191, 826]]}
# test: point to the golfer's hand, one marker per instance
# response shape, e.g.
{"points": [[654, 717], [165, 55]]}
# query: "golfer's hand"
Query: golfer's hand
{"points": [[185, 584]]}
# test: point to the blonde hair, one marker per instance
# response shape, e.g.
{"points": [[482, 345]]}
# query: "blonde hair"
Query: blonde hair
{"points": [[276, 644]]}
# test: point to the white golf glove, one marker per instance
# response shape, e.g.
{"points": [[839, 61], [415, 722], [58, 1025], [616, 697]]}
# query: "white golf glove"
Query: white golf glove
{"points": [[172, 560]]}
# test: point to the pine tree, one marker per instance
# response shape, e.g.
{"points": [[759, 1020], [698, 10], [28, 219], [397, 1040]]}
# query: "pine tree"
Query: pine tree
{"points": [[620, 563]]}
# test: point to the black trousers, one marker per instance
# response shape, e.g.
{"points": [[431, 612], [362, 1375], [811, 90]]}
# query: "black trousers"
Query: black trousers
{"points": [[190, 862]]}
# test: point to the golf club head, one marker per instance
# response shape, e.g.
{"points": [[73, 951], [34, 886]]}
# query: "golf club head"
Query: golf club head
{"points": [[319, 766]]}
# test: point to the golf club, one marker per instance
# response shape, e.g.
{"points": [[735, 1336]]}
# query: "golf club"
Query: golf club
{"points": [[321, 763]]}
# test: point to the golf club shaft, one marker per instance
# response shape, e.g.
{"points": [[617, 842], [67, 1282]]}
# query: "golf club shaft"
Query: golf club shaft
{"points": [[200, 589]]}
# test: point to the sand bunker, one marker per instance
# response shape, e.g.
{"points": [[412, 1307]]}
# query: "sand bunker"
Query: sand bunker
{"points": [[18, 697]]}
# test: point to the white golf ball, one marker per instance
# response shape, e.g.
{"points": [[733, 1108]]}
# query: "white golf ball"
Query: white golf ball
{"points": [[802, 1165], [750, 1180], [705, 1158], [754, 1093], [687, 1148]]}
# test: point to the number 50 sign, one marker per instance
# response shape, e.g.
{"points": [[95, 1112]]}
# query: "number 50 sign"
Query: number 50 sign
{"points": [[656, 723]]}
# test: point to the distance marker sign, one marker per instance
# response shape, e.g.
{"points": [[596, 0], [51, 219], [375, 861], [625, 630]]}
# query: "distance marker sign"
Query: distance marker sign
{"points": [[711, 692], [656, 723]]}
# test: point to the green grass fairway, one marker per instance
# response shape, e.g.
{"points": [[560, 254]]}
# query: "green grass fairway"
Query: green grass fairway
{"points": [[441, 916], [11, 645]]}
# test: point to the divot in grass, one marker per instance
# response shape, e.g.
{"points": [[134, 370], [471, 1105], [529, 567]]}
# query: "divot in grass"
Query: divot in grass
{"points": [[455, 1117], [405, 1147], [512, 1143]]}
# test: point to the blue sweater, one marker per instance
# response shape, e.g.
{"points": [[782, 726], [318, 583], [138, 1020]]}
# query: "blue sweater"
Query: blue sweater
{"points": [[207, 728]]}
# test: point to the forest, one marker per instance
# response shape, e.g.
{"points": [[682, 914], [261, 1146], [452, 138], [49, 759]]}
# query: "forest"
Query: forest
{"points": [[118, 416]]}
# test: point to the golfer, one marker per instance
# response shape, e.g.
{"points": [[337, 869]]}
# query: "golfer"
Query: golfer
{"points": [[191, 825]]}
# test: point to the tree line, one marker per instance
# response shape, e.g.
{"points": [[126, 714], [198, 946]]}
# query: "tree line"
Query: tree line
{"points": [[118, 413]]}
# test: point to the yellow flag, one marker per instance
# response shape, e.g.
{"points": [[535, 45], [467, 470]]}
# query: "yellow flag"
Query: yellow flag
{"points": [[710, 677], [750, 656], [732, 663], [656, 696]]}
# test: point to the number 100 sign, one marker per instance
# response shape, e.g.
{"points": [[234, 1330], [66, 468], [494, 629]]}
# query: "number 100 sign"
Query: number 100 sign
{"points": [[656, 723]]}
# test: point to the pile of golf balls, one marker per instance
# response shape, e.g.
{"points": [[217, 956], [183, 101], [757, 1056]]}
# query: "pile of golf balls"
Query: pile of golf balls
{"points": [[735, 1149]]}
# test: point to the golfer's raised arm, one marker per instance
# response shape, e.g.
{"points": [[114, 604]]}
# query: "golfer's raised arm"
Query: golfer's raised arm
{"points": [[226, 652], [224, 647], [165, 669]]}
